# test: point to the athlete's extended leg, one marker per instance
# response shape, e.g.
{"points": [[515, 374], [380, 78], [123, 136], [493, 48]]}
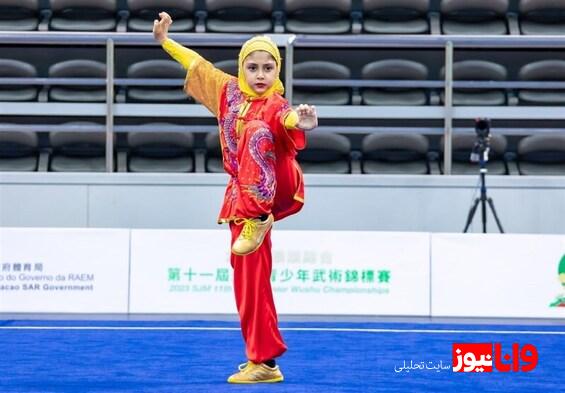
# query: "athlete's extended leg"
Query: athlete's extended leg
{"points": [[256, 308]]}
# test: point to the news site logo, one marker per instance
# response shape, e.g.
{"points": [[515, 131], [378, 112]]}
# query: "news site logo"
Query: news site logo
{"points": [[560, 299], [480, 357]]}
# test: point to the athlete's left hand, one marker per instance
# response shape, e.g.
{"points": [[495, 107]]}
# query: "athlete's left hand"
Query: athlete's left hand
{"points": [[307, 117]]}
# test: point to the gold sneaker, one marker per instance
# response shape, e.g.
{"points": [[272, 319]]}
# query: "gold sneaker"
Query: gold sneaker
{"points": [[256, 373], [252, 234]]}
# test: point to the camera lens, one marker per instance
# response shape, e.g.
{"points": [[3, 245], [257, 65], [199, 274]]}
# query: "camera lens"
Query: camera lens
{"points": [[482, 127]]}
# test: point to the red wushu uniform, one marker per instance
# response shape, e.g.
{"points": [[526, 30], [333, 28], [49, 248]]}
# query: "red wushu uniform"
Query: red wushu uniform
{"points": [[259, 141]]}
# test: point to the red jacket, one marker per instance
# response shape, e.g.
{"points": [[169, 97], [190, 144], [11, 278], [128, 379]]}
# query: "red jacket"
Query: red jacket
{"points": [[272, 110]]}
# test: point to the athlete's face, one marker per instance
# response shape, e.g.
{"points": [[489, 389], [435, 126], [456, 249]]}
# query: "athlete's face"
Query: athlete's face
{"points": [[260, 71]]}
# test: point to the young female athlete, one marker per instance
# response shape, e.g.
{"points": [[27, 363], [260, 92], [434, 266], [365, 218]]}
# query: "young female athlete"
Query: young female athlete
{"points": [[259, 135]]}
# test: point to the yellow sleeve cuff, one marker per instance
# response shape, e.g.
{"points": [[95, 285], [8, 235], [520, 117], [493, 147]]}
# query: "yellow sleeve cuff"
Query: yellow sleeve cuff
{"points": [[180, 53], [291, 120]]}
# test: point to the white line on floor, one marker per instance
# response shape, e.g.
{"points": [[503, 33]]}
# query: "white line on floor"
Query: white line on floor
{"points": [[297, 329]]}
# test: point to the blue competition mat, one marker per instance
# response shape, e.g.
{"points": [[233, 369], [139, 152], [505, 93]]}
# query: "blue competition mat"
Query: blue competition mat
{"points": [[198, 356]]}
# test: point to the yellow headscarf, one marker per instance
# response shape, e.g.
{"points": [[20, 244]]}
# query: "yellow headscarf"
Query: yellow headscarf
{"points": [[263, 43]]}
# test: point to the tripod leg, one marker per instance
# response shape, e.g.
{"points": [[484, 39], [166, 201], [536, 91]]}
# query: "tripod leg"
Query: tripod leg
{"points": [[491, 204], [472, 211], [484, 212]]}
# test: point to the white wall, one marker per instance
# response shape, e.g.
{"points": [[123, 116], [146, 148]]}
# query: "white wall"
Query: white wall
{"points": [[333, 202]]}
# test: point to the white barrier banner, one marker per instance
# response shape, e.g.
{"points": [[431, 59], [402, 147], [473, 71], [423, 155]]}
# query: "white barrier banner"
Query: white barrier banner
{"points": [[63, 270], [352, 273], [475, 275], [181, 271]]}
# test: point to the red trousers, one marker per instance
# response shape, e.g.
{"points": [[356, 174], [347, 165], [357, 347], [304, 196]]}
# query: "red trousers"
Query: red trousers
{"points": [[254, 300]]}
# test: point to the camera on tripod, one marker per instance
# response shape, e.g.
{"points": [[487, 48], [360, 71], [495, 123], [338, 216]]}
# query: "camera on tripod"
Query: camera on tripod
{"points": [[479, 154], [481, 147]]}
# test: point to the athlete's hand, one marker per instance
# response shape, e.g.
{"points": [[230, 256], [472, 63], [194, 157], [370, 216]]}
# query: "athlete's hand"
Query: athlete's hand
{"points": [[307, 117], [161, 27]]}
